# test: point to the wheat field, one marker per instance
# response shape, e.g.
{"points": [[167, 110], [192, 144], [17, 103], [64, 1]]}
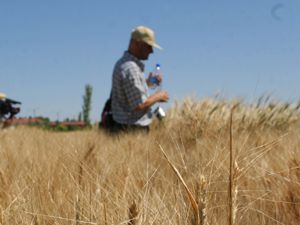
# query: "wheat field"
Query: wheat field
{"points": [[210, 162]]}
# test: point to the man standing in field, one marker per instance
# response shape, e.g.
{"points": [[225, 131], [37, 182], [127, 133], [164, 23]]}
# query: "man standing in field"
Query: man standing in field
{"points": [[131, 103]]}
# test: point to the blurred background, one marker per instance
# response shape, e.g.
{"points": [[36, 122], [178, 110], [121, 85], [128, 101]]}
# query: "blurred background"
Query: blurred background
{"points": [[49, 50]]}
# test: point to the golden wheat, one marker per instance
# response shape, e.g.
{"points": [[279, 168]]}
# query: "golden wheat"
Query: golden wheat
{"points": [[87, 177]]}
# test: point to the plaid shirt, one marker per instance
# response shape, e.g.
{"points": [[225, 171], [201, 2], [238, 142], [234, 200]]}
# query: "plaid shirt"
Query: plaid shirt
{"points": [[129, 89]]}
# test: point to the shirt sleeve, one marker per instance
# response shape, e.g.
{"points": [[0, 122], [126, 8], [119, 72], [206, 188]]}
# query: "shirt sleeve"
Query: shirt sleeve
{"points": [[134, 86]]}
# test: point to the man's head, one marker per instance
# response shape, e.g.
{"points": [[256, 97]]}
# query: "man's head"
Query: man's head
{"points": [[142, 42]]}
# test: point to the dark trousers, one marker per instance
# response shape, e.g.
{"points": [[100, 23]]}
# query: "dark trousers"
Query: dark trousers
{"points": [[128, 128]]}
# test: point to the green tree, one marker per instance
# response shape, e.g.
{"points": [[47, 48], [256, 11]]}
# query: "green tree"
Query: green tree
{"points": [[87, 104]]}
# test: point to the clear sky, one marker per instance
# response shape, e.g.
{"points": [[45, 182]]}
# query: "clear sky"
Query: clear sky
{"points": [[49, 50]]}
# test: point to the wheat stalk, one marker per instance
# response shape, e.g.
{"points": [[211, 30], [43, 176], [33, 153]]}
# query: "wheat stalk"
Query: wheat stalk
{"points": [[80, 176], [202, 200], [190, 195], [230, 191]]}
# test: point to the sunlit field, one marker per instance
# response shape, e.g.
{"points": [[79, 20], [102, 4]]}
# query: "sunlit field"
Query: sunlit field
{"points": [[181, 173]]}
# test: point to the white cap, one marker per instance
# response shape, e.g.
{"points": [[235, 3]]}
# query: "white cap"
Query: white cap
{"points": [[2, 96], [146, 35]]}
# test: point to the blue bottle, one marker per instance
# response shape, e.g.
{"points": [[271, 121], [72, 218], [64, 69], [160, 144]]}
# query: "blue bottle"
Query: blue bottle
{"points": [[153, 79]]}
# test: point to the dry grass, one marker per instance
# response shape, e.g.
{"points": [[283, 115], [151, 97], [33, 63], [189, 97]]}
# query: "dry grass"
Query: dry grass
{"points": [[88, 177]]}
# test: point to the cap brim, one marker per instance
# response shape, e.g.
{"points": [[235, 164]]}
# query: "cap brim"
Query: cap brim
{"points": [[157, 46], [154, 45]]}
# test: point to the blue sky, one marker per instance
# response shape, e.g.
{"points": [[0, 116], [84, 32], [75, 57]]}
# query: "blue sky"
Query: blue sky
{"points": [[49, 50]]}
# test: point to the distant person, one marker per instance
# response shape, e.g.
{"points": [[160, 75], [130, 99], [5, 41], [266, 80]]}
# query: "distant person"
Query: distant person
{"points": [[7, 110], [2, 102], [130, 101]]}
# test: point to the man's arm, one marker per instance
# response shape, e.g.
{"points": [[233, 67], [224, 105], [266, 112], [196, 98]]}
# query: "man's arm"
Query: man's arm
{"points": [[160, 96]]}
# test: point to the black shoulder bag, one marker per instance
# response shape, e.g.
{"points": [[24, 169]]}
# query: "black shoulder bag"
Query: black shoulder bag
{"points": [[107, 121]]}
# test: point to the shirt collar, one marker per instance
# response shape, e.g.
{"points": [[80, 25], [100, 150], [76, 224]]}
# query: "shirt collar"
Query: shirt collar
{"points": [[135, 59]]}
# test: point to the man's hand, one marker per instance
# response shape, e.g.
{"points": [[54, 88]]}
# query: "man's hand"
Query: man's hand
{"points": [[158, 80], [160, 96]]}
